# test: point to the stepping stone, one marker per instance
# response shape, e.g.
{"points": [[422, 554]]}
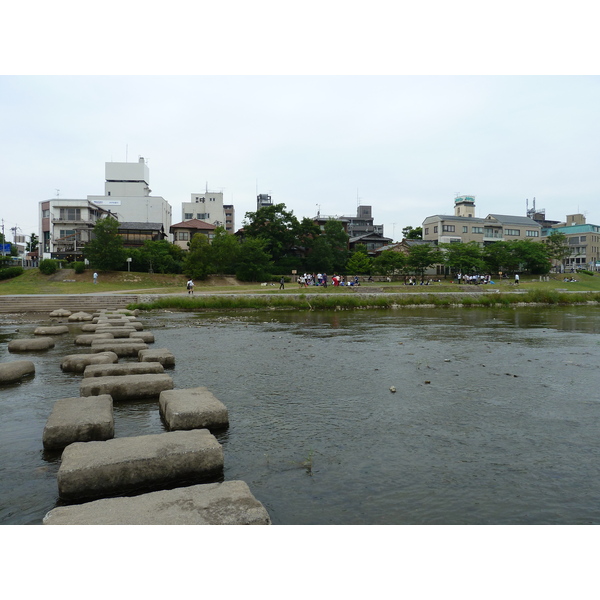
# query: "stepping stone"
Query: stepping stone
{"points": [[86, 339], [126, 348], [116, 332], [80, 316], [161, 355], [146, 336], [127, 387], [76, 363], [123, 369], [79, 420], [61, 312], [146, 462], [194, 408], [11, 372], [225, 503], [54, 330], [31, 344]]}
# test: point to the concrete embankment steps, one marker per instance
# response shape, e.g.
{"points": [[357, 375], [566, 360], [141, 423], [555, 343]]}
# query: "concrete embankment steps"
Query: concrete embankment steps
{"points": [[74, 303]]}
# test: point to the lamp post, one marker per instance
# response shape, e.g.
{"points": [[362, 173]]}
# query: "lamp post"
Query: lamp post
{"points": [[128, 265]]}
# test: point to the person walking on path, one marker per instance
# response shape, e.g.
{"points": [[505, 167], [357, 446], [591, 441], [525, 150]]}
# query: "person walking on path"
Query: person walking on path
{"points": [[281, 283], [516, 279], [95, 277], [190, 287]]}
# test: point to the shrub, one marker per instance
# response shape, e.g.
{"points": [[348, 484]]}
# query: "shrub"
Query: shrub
{"points": [[11, 272], [79, 267], [48, 266]]}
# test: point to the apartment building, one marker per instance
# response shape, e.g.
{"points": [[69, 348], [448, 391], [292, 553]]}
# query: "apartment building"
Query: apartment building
{"points": [[583, 240], [66, 225], [209, 207], [464, 226]]}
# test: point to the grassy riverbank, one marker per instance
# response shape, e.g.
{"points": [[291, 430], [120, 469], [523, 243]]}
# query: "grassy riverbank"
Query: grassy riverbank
{"points": [[363, 301], [225, 293]]}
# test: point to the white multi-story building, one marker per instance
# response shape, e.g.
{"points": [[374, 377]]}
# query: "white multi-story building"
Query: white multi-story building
{"points": [[208, 206], [66, 226], [127, 195]]}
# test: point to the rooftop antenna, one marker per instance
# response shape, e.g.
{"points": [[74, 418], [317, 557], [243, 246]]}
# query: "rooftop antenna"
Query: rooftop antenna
{"points": [[57, 192]]}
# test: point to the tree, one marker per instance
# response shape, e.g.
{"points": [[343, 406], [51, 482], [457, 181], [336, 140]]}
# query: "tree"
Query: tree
{"points": [[532, 256], [160, 256], [254, 263], [33, 243], [359, 261], [463, 257], [105, 251], [198, 262], [225, 250], [329, 252], [276, 226], [498, 256], [412, 233], [557, 246], [421, 257], [389, 262]]}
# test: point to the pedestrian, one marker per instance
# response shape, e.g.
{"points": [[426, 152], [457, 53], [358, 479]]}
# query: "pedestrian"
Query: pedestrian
{"points": [[95, 277], [516, 278], [281, 282], [190, 287]]}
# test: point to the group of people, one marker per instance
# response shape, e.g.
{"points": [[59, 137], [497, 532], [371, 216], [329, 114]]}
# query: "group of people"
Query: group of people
{"points": [[308, 279], [475, 279]]}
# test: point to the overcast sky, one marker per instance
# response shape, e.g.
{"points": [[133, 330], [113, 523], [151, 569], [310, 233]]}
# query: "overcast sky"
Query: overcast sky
{"points": [[404, 144]]}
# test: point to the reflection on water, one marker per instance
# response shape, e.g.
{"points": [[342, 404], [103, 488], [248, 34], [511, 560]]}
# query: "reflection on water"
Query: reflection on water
{"points": [[495, 417]]}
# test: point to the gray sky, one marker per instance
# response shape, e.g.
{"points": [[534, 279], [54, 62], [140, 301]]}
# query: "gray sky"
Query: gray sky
{"points": [[403, 143]]}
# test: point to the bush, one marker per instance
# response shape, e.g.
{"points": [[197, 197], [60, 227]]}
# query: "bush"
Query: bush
{"points": [[48, 266], [11, 272], [78, 267]]}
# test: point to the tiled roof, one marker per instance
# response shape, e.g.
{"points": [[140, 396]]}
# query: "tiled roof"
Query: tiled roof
{"points": [[142, 226], [193, 224]]}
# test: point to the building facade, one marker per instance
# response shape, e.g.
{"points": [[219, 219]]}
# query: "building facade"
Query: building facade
{"points": [[583, 240], [184, 232], [209, 207], [464, 226], [66, 225], [127, 195]]}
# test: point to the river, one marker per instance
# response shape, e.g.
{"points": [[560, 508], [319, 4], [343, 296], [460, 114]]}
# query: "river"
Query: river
{"points": [[494, 420]]}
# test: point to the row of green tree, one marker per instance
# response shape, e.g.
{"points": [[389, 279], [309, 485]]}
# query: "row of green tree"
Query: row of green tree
{"points": [[471, 258], [273, 241]]}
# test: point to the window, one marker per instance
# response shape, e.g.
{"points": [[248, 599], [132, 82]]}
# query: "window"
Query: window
{"points": [[188, 216], [70, 214], [476, 229], [532, 233], [201, 216], [582, 238], [465, 229], [426, 230], [183, 236], [45, 214], [435, 229], [512, 232], [449, 228]]}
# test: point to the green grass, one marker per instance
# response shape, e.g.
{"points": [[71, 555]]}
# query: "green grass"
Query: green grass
{"points": [[254, 296]]}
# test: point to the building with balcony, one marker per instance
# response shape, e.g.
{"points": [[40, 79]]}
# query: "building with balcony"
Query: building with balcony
{"points": [[464, 226], [66, 225], [208, 207]]}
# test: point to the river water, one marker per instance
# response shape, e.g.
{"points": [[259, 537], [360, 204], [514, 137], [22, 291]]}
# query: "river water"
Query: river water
{"points": [[495, 418]]}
